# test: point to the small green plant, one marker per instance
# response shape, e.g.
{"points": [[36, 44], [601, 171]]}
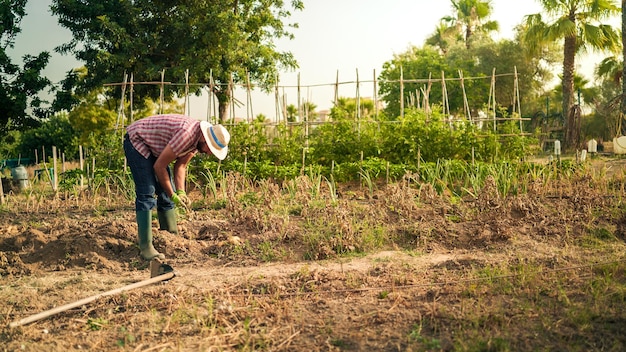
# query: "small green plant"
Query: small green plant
{"points": [[211, 184], [332, 188], [340, 343], [367, 179], [95, 324], [249, 199], [266, 249], [218, 204], [429, 344], [125, 338]]}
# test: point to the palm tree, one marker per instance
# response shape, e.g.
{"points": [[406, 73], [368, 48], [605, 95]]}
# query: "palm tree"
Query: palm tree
{"points": [[292, 113], [578, 24], [471, 18], [441, 35], [610, 68]]}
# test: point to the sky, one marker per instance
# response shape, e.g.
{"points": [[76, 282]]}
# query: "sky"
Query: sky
{"points": [[336, 40]]}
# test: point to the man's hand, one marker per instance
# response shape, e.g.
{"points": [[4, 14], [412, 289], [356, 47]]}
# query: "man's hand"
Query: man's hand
{"points": [[180, 199]]}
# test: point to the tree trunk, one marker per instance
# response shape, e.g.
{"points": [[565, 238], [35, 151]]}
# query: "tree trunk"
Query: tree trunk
{"points": [[622, 125], [569, 57], [223, 99], [223, 111]]}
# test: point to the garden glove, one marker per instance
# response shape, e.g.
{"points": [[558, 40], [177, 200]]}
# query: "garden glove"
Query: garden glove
{"points": [[180, 199]]}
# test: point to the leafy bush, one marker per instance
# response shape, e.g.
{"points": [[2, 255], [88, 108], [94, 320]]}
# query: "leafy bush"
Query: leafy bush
{"points": [[56, 131]]}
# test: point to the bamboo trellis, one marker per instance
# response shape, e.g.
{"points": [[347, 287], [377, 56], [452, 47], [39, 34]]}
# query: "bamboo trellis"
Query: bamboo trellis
{"points": [[419, 98]]}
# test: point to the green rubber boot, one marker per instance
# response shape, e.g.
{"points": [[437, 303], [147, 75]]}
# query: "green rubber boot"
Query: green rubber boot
{"points": [[144, 230], [167, 220]]}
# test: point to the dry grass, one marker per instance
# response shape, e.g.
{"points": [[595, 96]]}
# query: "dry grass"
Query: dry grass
{"points": [[393, 267]]}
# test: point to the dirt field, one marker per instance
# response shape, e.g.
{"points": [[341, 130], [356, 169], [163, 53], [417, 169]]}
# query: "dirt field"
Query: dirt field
{"points": [[483, 274]]}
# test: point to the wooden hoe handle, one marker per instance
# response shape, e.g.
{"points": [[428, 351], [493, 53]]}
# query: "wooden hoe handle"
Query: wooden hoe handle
{"points": [[53, 311]]}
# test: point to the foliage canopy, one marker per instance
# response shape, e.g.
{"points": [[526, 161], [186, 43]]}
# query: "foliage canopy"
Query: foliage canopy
{"points": [[210, 43], [20, 107]]}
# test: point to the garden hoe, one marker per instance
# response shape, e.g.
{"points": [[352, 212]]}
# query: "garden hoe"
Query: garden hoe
{"points": [[159, 272]]}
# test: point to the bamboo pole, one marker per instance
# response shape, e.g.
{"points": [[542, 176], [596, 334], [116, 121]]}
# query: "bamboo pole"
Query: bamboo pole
{"points": [[444, 98], [54, 168], [1, 191], [249, 97], [492, 89], [465, 102], [427, 93], [277, 100], [210, 97], [284, 99], [401, 92], [306, 132], [130, 102], [81, 161], [358, 104], [186, 107], [516, 100], [417, 98], [300, 117], [375, 95], [84, 301], [161, 91], [231, 89], [120, 111], [336, 87]]}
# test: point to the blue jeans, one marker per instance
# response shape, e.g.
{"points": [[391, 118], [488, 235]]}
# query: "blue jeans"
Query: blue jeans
{"points": [[148, 191]]}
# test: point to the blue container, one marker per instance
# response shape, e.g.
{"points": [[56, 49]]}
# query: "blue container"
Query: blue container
{"points": [[13, 163]]}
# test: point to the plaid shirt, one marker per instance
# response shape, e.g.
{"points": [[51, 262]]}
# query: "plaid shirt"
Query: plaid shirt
{"points": [[152, 134]]}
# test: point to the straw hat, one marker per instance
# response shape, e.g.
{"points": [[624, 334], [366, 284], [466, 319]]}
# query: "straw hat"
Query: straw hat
{"points": [[217, 137]]}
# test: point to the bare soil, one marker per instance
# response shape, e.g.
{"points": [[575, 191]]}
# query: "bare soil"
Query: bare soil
{"points": [[251, 277]]}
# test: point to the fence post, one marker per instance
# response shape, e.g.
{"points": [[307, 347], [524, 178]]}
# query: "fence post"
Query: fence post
{"points": [[81, 164], [375, 97], [161, 93], [401, 92], [358, 104], [1, 191], [54, 168]]}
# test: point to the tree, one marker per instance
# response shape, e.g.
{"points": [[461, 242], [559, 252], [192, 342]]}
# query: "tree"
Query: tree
{"points": [[477, 65], [55, 131], [623, 100], [442, 37], [219, 43], [505, 57], [92, 120], [610, 68], [308, 111], [416, 63], [471, 18], [604, 122], [346, 109], [20, 108], [577, 23], [292, 113]]}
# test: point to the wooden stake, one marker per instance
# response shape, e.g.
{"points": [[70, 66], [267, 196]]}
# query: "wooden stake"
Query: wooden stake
{"points": [[1, 191], [54, 168], [82, 168], [401, 92], [161, 92]]}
